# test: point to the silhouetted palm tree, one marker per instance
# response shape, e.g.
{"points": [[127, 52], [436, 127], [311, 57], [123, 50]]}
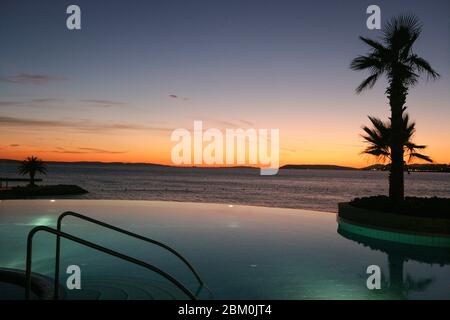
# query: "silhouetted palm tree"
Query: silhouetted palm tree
{"points": [[31, 166], [395, 59], [379, 139]]}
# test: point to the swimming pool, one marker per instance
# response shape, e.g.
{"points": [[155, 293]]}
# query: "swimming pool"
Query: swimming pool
{"points": [[241, 252]]}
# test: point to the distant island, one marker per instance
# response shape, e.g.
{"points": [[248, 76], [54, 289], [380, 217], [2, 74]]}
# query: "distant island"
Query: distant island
{"points": [[92, 163], [316, 167], [376, 167], [414, 167]]}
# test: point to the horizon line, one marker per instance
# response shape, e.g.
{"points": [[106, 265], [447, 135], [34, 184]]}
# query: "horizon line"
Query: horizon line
{"points": [[220, 166]]}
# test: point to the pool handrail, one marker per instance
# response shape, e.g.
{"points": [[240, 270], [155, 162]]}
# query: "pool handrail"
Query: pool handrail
{"points": [[117, 229], [97, 247]]}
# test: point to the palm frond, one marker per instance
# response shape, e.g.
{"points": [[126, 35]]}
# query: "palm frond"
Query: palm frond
{"points": [[378, 138], [371, 62], [374, 44], [400, 30], [412, 146], [423, 66], [368, 83], [417, 155]]}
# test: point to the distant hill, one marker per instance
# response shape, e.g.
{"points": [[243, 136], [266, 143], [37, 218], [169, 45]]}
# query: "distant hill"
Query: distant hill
{"points": [[289, 166], [81, 163], [414, 167], [91, 163], [316, 167], [375, 167], [8, 161]]}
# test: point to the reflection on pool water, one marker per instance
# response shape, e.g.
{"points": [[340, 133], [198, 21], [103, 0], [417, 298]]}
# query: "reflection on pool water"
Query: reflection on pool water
{"points": [[241, 252]]}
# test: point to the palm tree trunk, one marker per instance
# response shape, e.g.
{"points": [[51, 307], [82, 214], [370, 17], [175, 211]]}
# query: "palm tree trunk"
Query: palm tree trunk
{"points": [[396, 177], [396, 263], [397, 97], [32, 179]]}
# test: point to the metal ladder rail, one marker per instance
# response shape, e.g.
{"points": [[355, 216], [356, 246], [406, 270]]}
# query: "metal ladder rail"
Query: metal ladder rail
{"points": [[117, 229], [97, 247]]}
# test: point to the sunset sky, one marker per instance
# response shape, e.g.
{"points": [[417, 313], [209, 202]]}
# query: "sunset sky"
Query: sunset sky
{"points": [[137, 70]]}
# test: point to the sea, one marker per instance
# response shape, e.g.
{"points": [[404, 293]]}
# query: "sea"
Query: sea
{"points": [[319, 190]]}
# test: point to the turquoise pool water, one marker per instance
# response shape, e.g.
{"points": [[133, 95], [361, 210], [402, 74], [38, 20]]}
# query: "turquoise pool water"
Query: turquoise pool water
{"points": [[241, 252]]}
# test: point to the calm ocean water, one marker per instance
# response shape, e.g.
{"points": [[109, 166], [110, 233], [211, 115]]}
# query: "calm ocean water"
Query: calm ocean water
{"points": [[306, 189]]}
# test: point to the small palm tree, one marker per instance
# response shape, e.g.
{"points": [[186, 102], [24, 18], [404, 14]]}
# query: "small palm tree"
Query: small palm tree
{"points": [[379, 139], [394, 58], [31, 166]]}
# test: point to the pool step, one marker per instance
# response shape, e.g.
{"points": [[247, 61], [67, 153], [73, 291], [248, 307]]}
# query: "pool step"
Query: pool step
{"points": [[12, 285], [125, 288]]}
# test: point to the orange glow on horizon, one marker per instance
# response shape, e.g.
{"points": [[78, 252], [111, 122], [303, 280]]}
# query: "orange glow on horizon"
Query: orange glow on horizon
{"points": [[160, 154], [306, 144]]}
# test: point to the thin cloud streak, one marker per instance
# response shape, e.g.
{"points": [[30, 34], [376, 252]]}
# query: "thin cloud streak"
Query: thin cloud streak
{"points": [[41, 102], [28, 78], [87, 151], [95, 150], [11, 104], [234, 123], [103, 103], [80, 125], [174, 96]]}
